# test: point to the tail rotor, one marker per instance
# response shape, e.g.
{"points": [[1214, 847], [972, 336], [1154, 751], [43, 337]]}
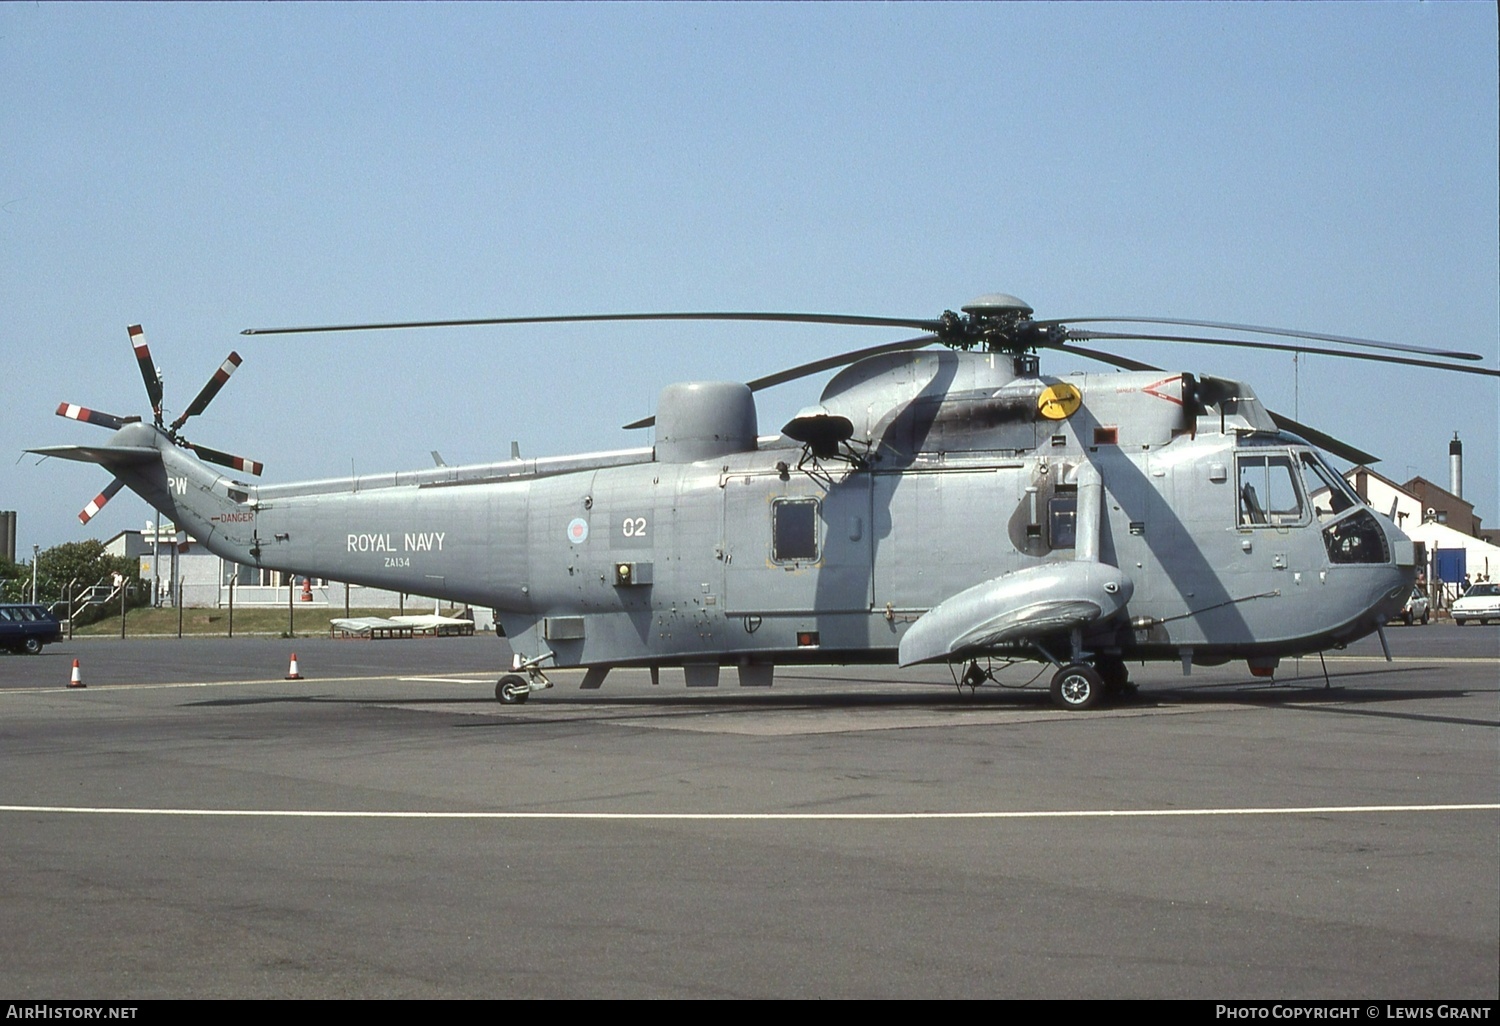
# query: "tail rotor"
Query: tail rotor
{"points": [[92, 509], [153, 381]]}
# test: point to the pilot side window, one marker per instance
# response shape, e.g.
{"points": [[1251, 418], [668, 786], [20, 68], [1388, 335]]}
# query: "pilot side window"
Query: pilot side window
{"points": [[1268, 494], [794, 530]]}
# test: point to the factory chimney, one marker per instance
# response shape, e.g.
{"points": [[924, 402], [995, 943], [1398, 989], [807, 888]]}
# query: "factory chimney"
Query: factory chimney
{"points": [[1456, 466]]}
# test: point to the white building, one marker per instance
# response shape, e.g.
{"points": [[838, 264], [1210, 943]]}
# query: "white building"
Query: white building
{"points": [[1481, 559]]}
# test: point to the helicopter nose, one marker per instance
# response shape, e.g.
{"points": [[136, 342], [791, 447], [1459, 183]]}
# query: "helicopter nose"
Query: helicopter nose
{"points": [[1401, 572]]}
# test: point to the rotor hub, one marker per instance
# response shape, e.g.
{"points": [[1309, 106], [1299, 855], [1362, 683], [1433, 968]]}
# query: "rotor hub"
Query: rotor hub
{"points": [[997, 322], [997, 304]]}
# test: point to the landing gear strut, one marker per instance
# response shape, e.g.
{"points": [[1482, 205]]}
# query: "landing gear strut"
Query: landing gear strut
{"points": [[1116, 676]]}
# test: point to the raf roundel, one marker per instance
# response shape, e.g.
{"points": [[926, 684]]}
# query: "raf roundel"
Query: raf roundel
{"points": [[578, 530]]}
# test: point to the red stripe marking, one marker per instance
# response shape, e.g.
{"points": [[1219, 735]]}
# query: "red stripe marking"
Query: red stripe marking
{"points": [[1151, 389]]}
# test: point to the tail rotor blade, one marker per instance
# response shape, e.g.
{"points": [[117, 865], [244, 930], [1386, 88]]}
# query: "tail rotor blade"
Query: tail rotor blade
{"points": [[225, 459], [210, 390], [148, 368], [88, 416], [91, 510]]}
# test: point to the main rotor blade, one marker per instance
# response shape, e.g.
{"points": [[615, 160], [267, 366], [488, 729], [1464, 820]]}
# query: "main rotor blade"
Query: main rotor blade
{"points": [[148, 368], [1262, 330], [1324, 441], [88, 416], [842, 360], [827, 363], [210, 390], [1247, 344], [782, 318], [225, 459], [1321, 439], [1113, 359], [110, 491]]}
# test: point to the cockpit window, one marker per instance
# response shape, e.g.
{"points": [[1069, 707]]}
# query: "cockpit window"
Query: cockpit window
{"points": [[1268, 491], [1329, 493], [1356, 539]]}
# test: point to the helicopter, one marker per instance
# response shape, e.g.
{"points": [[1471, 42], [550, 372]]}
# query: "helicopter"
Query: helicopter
{"points": [[950, 505]]}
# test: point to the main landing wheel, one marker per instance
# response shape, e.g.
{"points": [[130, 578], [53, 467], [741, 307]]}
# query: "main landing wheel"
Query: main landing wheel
{"points": [[512, 689], [1077, 687]]}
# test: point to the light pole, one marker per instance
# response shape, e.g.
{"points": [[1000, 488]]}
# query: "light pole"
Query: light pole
{"points": [[34, 550]]}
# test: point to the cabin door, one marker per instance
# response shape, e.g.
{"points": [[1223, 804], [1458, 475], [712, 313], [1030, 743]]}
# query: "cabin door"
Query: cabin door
{"points": [[796, 545]]}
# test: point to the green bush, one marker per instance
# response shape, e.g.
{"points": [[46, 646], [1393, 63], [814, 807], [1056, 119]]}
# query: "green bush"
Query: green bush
{"points": [[84, 564]]}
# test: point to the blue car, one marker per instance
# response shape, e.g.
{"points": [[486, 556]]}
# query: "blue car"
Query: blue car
{"points": [[26, 628]]}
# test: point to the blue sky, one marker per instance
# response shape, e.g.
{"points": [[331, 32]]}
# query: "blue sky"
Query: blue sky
{"points": [[202, 169]]}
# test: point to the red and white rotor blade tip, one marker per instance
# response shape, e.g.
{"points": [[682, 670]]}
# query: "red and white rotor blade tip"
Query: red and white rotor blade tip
{"points": [[88, 416], [94, 507], [148, 368], [225, 459], [210, 390]]}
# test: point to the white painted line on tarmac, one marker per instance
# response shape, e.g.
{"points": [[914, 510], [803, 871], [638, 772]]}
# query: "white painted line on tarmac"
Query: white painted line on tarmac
{"points": [[438, 680], [1324, 810], [147, 686], [1441, 660]]}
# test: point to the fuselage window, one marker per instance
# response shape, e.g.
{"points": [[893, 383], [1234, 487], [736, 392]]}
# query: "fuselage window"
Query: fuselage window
{"points": [[1062, 521], [1268, 494], [794, 530]]}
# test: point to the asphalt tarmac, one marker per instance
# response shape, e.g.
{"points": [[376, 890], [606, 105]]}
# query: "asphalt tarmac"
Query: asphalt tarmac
{"points": [[192, 825]]}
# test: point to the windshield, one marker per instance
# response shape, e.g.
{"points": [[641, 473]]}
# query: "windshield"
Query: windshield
{"points": [[1482, 589], [1330, 493]]}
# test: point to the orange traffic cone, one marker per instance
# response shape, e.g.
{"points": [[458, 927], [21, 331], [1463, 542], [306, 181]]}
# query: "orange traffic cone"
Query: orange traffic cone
{"points": [[77, 681], [291, 673]]}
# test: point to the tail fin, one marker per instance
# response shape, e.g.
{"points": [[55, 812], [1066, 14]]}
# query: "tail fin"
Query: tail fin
{"points": [[215, 509]]}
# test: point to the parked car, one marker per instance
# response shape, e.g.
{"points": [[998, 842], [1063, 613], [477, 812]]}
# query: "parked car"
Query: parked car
{"points": [[1416, 608], [26, 628], [1481, 604]]}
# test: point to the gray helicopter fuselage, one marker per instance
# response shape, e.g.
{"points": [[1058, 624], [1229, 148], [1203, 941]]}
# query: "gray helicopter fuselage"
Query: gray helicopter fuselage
{"points": [[929, 475]]}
